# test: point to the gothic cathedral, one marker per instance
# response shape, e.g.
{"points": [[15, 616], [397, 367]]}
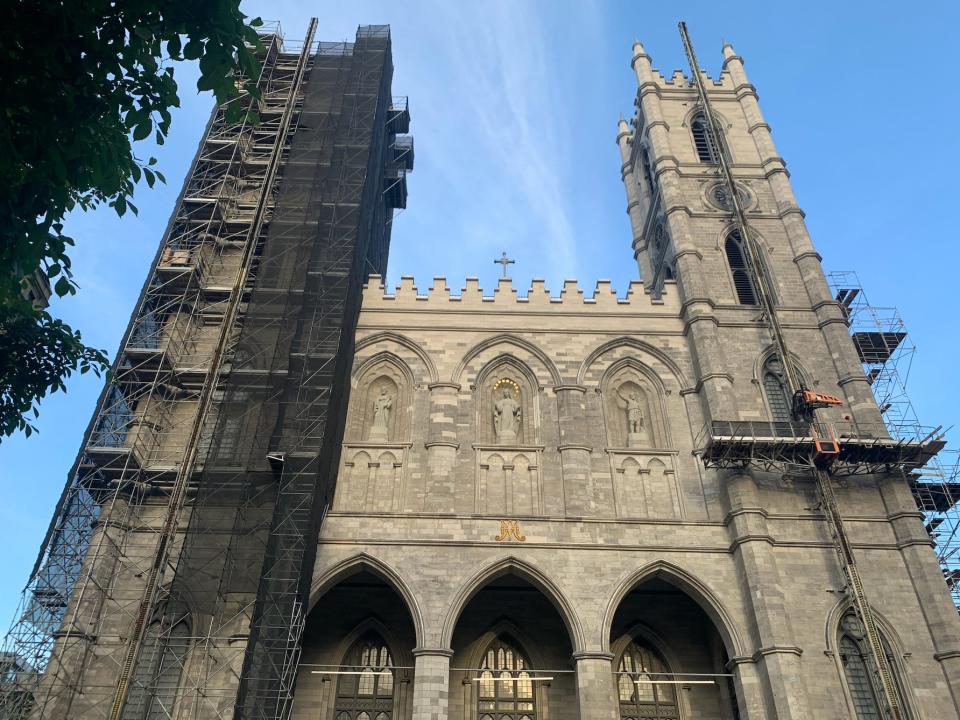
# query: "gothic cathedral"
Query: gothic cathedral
{"points": [[524, 525]]}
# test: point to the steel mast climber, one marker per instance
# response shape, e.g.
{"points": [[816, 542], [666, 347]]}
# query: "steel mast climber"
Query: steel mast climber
{"points": [[805, 404]]}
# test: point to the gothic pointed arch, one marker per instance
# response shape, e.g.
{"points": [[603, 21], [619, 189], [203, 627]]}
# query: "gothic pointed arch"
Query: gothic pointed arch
{"points": [[506, 400], [685, 581], [846, 642], [639, 665], [384, 387], [327, 579], [508, 340], [365, 691], [513, 566], [505, 687], [633, 405], [770, 377], [405, 342], [675, 374]]}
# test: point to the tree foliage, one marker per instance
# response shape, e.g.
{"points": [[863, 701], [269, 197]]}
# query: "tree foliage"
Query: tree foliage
{"points": [[82, 82]]}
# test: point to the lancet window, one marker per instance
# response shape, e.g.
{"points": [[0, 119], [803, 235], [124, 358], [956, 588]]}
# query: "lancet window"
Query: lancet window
{"points": [[367, 694], [864, 688], [742, 282], [707, 151], [643, 685], [505, 689]]}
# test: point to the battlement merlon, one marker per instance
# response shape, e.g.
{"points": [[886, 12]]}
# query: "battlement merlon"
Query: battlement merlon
{"points": [[731, 78], [505, 297]]}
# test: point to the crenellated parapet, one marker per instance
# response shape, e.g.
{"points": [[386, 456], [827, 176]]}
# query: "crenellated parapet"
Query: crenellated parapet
{"points": [[505, 297]]}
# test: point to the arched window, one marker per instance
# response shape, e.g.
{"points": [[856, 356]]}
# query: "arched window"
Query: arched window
{"points": [[742, 282], [505, 690], [775, 388], [864, 690], [640, 672], [647, 172], [703, 141], [367, 695], [156, 681]]}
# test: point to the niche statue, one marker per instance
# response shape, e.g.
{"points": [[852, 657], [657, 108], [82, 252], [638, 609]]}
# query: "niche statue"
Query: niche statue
{"points": [[506, 417], [636, 429], [382, 404]]}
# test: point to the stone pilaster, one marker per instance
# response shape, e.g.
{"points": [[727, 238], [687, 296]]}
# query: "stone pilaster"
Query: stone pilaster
{"points": [[574, 450], [431, 683], [441, 447], [776, 652], [933, 597], [596, 692]]}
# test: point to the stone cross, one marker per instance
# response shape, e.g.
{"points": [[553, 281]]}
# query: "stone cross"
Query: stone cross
{"points": [[504, 261]]}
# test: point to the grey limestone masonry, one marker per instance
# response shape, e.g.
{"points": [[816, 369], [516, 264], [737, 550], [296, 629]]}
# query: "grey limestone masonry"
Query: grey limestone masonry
{"points": [[575, 521]]}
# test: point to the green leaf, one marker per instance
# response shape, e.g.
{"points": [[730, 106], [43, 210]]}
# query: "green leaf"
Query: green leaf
{"points": [[143, 129], [173, 47], [151, 178], [161, 177], [63, 287]]}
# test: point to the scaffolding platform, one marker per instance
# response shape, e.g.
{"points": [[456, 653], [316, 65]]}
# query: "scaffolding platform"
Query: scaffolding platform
{"points": [[772, 446]]}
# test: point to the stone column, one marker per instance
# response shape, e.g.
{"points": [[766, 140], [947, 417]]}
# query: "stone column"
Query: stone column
{"points": [[431, 683], [933, 597], [574, 450], [777, 655], [596, 691], [442, 448]]}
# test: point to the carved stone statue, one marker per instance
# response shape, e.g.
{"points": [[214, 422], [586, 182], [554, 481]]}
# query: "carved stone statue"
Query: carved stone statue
{"points": [[381, 415], [636, 429], [506, 417]]}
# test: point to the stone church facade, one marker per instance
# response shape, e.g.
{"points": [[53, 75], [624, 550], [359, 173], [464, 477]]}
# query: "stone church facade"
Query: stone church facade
{"points": [[523, 528]]}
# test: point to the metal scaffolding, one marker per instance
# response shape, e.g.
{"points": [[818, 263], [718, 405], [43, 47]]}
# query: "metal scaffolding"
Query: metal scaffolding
{"points": [[181, 550], [887, 352]]}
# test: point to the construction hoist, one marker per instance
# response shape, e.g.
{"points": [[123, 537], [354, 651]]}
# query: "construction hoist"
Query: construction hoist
{"points": [[805, 403]]}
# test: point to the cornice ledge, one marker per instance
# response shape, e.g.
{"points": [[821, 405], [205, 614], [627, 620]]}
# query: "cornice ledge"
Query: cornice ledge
{"points": [[792, 210], [433, 652], [574, 388], [713, 376], [751, 537], [847, 379], [689, 251], [946, 655], [729, 59], [574, 446], [592, 655], [442, 443], [444, 385], [777, 650], [915, 543], [744, 511], [806, 255]]}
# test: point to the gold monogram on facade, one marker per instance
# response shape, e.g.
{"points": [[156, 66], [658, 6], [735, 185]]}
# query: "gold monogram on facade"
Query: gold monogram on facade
{"points": [[510, 530]]}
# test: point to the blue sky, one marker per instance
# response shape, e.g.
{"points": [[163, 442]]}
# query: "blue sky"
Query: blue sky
{"points": [[514, 108]]}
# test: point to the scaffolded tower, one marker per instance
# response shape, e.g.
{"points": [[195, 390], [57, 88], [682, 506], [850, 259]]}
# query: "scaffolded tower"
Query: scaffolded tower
{"points": [[887, 351], [190, 518]]}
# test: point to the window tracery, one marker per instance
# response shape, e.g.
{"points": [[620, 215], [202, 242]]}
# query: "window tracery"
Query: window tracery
{"points": [[367, 695], [505, 688], [775, 388], [641, 696], [867, 697], [742, 282], [707, 151]]}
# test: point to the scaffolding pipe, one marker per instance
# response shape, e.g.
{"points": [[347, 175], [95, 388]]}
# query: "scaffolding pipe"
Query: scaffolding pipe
{"points": [[185, 472]]}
